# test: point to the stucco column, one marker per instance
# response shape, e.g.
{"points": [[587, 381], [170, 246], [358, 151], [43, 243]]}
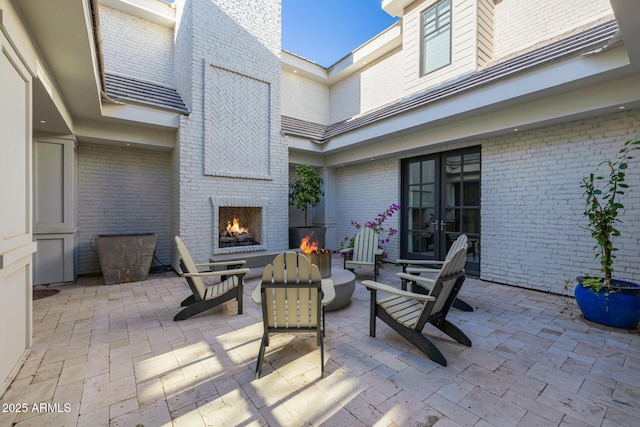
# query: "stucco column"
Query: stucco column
{"points": [[324, 215]]}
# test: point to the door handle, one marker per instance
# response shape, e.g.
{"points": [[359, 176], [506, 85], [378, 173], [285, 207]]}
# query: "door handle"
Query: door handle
{"points": [[439, 225]]}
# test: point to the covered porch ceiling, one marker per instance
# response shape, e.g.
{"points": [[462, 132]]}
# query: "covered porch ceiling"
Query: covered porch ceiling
{"points": [[68, 82], [68, 93]]}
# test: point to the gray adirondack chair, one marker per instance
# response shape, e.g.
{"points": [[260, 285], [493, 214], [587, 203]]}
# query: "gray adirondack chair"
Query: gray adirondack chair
{"points": [[417, 267], [229, 284], [408, 312]]}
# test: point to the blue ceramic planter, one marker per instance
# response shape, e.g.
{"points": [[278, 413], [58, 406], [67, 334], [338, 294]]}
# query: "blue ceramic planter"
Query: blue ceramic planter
{"points": [[620, 309]]}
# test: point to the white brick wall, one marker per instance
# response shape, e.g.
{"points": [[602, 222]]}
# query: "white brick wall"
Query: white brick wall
{"points": [[377, 84], [183, 65], [304, 98], [533, 232], [135, 47], [121, 190], [532, 223], [242, 38], [362, 192], [345, 98], [519, 24], [381, 82]]}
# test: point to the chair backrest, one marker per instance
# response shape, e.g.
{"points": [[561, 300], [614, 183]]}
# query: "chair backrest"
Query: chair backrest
{"points": [[461, 242], [449, 277], [365, 244], [188, 266], [291, 293]]}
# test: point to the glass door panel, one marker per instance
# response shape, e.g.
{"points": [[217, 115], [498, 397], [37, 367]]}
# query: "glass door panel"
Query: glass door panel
{"points": [[420, 201], [441, 194]]}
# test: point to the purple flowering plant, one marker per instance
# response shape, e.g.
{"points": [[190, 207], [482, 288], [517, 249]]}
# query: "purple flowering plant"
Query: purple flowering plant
{"points": [[377, 224]]}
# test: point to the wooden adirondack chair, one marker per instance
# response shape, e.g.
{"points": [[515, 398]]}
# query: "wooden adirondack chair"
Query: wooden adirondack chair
{"points": [[416, 267], [230, 285], [364, 251], [408, 312], [292, 294]]}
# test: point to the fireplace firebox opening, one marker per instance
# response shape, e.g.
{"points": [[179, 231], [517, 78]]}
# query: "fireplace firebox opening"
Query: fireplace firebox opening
{"points": [[239, 226]]}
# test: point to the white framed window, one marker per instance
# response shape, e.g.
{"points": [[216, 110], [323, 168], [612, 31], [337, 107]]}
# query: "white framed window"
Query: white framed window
{"points": [[436, 37]]}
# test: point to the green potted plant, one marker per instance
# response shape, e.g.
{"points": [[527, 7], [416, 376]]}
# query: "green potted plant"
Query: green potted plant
{"points": [[304, 192], [606, 300]]}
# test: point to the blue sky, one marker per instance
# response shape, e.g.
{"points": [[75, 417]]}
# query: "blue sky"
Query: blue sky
{"points": [[324, 31]]}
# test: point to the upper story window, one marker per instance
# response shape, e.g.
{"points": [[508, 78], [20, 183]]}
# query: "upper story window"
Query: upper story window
{"points": [[436, 37]]}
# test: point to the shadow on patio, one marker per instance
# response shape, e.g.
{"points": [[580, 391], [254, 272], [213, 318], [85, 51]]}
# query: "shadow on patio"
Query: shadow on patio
{"points": [[113, 356]]}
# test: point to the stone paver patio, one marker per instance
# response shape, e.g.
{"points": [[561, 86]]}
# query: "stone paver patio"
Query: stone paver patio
{"points": [[113, 356]]}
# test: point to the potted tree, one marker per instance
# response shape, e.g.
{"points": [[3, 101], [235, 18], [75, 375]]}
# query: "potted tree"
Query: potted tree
{"points": [[607, 300], [305, 192]]}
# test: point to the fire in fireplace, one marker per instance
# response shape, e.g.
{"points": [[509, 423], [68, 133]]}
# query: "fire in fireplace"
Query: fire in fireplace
{"points": [[319, 257], [240, 229], [238, 213]]}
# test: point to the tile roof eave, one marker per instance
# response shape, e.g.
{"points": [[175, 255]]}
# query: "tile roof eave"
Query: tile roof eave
{"points": [[303, 128], [131, 90]]}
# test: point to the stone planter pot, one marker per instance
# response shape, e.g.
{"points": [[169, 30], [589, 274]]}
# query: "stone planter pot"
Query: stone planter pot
{"points": [[619, 308], [125, 257]]}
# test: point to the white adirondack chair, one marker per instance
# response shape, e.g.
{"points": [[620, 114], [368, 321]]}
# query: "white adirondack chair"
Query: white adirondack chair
{"points": [[364, 252], [292, 294]]}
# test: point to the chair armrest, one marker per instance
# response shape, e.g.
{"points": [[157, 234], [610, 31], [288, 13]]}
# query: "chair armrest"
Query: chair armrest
{"points": [[346, 250], [255, 295], [413, 270], [408, 277], [370, 284], [328, 291], [425, 281], [418, 262], [234, 272], [221, 263]]}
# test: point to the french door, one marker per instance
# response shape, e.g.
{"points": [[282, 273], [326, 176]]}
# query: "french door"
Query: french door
{"points": [[441, 200]]}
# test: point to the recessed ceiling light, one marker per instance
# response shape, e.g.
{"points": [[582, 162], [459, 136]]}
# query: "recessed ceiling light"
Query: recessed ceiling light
{"points": [[364, 62], [515, 129], [295, 71], [621, 107], [43, 121]]}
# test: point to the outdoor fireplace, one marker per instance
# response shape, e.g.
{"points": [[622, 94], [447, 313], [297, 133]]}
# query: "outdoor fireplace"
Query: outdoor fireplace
{"points": [[239, 226]]}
